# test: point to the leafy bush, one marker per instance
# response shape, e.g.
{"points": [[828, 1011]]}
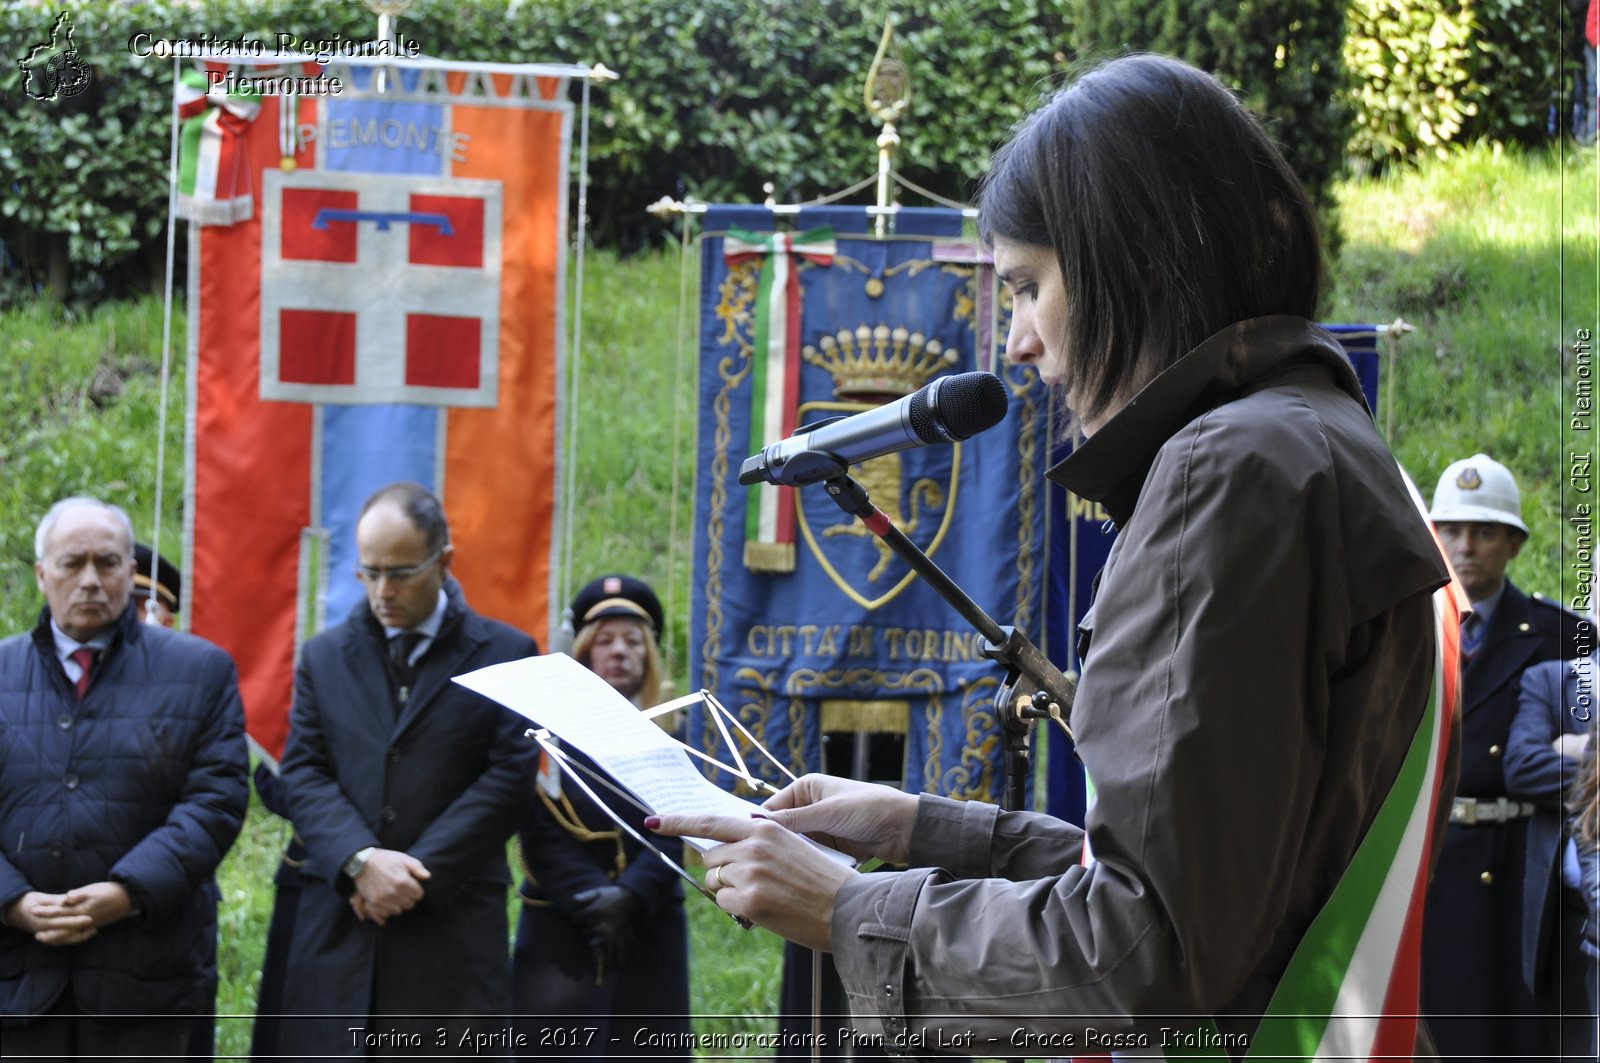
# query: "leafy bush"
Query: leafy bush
{"points": [[1428, 74], [1527, 63], [1411, 64], [1280, 55], [718, 97]]}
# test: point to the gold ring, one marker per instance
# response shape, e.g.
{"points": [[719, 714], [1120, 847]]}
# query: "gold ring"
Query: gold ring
{"points": [[716, 873]]}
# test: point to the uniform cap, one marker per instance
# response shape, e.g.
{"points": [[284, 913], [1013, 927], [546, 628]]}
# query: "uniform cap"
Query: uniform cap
{"points": [[167, 583], [1478, 489], [617, 596]]}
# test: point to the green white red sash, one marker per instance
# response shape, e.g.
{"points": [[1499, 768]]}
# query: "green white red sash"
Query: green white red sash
{"points": [[1351, 989], [775, 378], [215, 184]]}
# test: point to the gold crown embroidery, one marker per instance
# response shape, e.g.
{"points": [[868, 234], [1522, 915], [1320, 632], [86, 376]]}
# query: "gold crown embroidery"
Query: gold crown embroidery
{"points": [[871, 363]]}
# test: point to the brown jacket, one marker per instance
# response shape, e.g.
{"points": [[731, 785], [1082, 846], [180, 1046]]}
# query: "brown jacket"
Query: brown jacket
{"points": [[1260, 653]]}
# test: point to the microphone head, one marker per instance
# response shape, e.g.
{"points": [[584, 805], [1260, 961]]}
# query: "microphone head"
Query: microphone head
{"points": [[958, 407]]}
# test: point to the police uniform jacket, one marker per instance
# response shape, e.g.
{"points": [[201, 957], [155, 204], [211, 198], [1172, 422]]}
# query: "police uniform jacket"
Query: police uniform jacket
{"points": [[569, 844], [143, 782], [1558, 697], [446, 778], [1472, 945], [1260, 656]]}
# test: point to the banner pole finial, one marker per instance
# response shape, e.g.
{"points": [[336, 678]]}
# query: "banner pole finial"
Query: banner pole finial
{"points": [[887, 96]]}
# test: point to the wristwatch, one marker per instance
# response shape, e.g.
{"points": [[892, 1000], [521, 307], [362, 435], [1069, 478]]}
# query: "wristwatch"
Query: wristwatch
{"points": [[358, 861]]}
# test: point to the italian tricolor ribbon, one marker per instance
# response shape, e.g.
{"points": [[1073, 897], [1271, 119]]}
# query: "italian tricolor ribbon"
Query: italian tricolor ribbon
{"points": [[214, 179], [775, 377], [1351, 989]]}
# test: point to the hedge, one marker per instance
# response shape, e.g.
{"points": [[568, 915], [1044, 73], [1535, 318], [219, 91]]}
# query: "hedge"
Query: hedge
{"points": [[1430, 74], [718, 97]]}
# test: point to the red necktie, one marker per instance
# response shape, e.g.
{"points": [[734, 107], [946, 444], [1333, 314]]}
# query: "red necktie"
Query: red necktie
{"points": [[85, 658]]}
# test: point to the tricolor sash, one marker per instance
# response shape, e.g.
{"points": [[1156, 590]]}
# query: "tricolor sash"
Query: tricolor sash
{"points": [[215, 184], [769, 512], [1350, 991]]}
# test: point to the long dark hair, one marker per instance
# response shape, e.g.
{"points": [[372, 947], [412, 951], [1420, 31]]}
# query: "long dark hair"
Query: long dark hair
{"points": [[1171, 213]]}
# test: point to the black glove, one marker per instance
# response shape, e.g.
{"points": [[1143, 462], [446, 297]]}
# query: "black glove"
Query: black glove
{"points": [[606, 914]]}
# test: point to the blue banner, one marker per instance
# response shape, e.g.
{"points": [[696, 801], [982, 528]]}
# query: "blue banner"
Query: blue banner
{"points": [[822, 629]]}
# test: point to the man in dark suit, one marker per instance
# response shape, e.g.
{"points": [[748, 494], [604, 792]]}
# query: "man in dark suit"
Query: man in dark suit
{"points": [[122, 786], [404, 787], [1472, 986]]}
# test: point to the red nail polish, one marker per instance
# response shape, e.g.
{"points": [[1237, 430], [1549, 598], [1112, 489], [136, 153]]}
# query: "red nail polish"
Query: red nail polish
{"points": [[652, 822]]}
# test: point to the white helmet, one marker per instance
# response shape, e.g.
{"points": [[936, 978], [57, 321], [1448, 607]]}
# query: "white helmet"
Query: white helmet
{"points": [[1478, 489]]}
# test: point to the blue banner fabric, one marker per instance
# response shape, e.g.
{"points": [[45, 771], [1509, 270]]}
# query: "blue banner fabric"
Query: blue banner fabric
{"points": [[833, 632]]}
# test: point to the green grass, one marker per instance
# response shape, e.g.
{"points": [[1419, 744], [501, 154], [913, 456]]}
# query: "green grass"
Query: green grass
{"points": [[1490, 255], [79, 401]]}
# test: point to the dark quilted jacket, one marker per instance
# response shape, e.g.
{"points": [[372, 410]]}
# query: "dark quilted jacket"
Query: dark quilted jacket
{"points": [[143, 783]]}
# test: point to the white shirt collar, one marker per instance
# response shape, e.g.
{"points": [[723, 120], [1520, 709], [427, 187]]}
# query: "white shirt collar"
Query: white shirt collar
{"points": [[428, 629], [1485, 609], [66, 645]]}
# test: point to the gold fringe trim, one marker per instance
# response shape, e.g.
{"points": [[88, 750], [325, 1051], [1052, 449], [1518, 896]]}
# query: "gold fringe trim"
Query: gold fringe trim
{"points": [[769, 557], [874, 717]]}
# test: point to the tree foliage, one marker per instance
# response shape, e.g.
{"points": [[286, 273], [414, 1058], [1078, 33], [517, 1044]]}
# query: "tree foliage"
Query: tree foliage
{"points": [[718, 98], [1429, 75]]}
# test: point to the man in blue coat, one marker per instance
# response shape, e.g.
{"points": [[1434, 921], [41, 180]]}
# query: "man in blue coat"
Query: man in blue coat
{"points": [[122, 786], [404, 788], [1472, 988], [1549, 737]]}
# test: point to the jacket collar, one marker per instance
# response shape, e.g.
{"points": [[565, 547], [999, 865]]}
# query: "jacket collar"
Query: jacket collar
{"points": [[361, 618], [1510, 643], [455, 641], [126, 629], [1110, 467]]}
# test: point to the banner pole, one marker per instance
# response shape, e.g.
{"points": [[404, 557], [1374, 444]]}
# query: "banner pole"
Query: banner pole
{"points": [[166, 330]]}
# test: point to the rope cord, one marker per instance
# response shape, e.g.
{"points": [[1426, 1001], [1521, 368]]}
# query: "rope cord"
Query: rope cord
{"points": [[166, 325], [575, 375], [934, 196], [677, 435]]}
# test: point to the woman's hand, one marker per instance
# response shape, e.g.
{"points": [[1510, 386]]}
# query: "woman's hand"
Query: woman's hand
{"points": [[766, 873], [859, 818]]}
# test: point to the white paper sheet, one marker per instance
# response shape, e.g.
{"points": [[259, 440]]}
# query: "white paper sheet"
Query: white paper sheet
{"points": [[557, 693]]}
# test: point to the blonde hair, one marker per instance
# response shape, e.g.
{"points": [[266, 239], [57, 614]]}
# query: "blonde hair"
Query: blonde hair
{"points": [[650, 689]]}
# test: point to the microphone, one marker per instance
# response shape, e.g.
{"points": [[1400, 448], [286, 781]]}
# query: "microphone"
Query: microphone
{"points": [[950, 409]]}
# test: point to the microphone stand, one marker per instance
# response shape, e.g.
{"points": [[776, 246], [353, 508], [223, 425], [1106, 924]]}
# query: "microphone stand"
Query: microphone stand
{"points": [[1053, 697]]}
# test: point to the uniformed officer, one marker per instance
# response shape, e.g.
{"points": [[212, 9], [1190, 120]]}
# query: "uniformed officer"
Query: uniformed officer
{"points": [[157, 587], [157, 598], [603, 933], [1472, 988]]}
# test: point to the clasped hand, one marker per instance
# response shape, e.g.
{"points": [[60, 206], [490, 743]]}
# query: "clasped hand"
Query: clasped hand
{"points": [[389, 885], [768, 874], [69, 918]]}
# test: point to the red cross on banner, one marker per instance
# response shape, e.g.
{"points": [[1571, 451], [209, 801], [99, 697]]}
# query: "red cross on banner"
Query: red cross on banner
{"points": [[356, 267]]}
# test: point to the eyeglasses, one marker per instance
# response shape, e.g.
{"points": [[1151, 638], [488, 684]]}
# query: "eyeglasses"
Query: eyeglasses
{"points": [[369, 574]]}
